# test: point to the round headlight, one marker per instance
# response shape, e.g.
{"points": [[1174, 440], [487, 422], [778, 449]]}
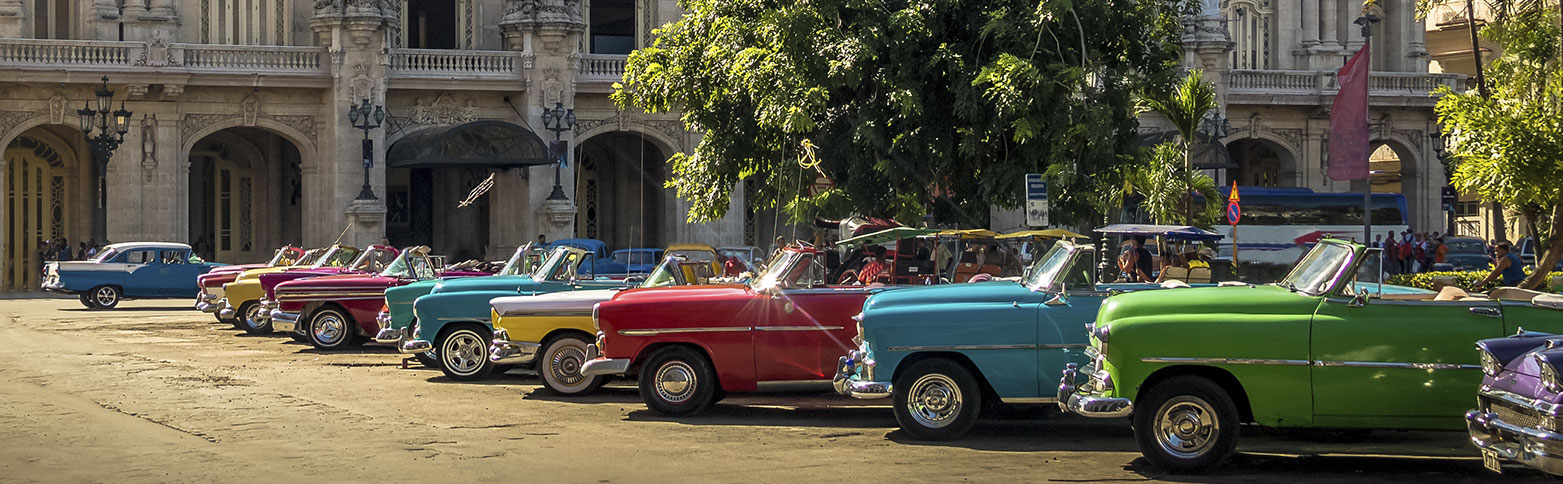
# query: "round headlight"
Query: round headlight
{"points": [[1490, 364], [1549, 375]]}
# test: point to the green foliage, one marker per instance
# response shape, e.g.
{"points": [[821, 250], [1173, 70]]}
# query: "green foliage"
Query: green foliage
{"points": [[1509, 148], [1466, 280], [1166, 180], [912, 104]]}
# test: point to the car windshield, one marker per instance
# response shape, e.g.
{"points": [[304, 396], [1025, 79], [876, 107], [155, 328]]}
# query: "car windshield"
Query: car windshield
{"points": [[374, 260], [338, 256], [284, 256], [561, 265], [791, 269], [1466, 246], [1045, 271], [677, 270], [1316, 271], [636, 257], [742, 255], [309, 258], [106, 255], [413, 264], [525, 260]]}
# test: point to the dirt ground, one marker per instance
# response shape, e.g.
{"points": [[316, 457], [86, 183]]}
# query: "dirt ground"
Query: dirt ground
{"points": [[156, 392]]}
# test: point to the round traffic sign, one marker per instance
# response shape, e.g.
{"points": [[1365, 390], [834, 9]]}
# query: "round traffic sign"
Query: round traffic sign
{"points": [[1233, 213]]}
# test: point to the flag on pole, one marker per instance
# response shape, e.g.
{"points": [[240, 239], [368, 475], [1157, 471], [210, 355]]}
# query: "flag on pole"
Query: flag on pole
{"points": [[1349, 120]]}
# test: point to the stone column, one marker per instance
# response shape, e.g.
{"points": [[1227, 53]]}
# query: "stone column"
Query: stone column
{"points": [[1416, 38], [357, 34], [1354, 31], [104, 21], [1328, 21], [508, 226], [1310, 23], [11, 21], [550, 30]]}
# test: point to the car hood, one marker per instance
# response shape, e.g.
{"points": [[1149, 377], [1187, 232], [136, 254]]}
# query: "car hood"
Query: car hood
{"points": [[486, 283], [948, 294], [338, 282], [688, 293], [556, 302], [1254, 302]]}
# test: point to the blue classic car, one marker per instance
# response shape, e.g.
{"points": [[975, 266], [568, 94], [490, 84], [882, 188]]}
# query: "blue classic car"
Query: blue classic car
{"points": [[600, 262], [129, 270], [453, 320], [938, 350], [638, 261]]}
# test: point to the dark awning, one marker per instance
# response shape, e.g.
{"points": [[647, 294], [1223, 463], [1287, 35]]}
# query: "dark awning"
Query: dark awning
{"points": [[1209, 153], [479, 143]]}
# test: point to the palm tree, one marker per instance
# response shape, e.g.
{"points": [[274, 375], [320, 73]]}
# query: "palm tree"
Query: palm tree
{"points": [[1185, 106]]}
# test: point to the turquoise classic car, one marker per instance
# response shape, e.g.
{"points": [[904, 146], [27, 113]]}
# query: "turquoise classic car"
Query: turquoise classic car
{"points": [[453, 320], [130, 270], [939, 350], [396, 319]]}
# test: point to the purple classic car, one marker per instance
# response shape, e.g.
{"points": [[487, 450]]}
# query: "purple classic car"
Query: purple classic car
{"points": [[1519, 410]]}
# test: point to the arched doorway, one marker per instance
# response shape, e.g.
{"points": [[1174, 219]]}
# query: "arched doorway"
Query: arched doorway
{"points": [[42, 182], [1261, 163], [618, 186], [430, 172], [1392, 169], [246, 192]]}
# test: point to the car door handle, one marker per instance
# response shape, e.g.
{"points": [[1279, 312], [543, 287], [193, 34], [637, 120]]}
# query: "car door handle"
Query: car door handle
{"points": [[1487, 311]]}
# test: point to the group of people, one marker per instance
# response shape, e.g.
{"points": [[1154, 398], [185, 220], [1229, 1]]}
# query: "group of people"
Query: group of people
{"points": [[1137, 263], [1410, 253], [59, 249]]}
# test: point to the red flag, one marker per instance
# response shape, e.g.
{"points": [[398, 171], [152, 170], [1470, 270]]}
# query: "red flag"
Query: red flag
{"points": [[1349, 120]]}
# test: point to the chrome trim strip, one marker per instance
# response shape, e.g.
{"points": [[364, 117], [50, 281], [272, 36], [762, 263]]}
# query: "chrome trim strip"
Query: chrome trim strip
{"points": [[464, 319], [1227, 361], [797, 328], [1391, 364], [961, 347], [557, 314], [1064, 347], [654, 332], [1546, 409], [1030, 400], [296, 295], [328, 298]]}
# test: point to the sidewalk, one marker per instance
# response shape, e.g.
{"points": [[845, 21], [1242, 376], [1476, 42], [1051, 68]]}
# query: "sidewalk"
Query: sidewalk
{"points": [[33, 295]]}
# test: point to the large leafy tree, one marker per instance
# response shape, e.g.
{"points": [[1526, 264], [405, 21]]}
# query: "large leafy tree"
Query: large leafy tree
{"points": [[1508, 147], [1173, 181], [907, 106]]}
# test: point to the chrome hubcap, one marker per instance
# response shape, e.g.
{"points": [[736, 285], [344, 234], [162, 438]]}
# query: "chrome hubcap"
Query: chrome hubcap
{"points": [[250, 318], [1186, 427], [106, 296], [564, 365], [675, 382], [934, 400], [464, 353], [329, 328]]}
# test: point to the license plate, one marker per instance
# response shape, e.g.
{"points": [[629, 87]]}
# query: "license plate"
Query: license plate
{"points": [[1490, 461]]}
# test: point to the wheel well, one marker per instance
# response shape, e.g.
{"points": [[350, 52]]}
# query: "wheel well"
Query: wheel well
{"points": [[1219, 376], [982, 380], [651, 349], [448, 328], [308, 313], [561, 332]]}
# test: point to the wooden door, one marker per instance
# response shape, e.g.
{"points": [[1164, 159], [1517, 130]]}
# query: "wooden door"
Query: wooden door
{"points": [[233, 216], [35, 211]]}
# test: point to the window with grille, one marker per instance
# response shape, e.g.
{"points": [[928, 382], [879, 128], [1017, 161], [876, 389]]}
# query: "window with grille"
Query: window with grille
{"points": [[244, 22], [1249, 24]]}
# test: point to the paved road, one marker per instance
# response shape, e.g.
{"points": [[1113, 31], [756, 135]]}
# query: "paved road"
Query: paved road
{"points": [[153, 392]]}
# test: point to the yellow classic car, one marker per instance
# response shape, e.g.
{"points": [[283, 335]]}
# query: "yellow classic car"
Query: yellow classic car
{"points": [[242, 298], [553, 330]]}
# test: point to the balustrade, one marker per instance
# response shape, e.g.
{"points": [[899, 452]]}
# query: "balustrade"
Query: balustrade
{"points": [[446, 63], [602, 67]]}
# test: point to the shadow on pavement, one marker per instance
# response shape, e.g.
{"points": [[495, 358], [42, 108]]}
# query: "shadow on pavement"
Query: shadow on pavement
{"points": [[606, 394]]}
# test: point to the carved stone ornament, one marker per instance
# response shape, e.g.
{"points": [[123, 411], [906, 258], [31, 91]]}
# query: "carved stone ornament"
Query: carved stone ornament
{"points": [[57, 109], [193, 123], [156, 54], [172, 91], [148, 145], [11, 119], [442, 111], [250, 109], [622, 121]]}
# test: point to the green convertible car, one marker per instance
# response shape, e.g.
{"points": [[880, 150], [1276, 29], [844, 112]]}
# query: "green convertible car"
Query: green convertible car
{"points": [[1319, 349]]}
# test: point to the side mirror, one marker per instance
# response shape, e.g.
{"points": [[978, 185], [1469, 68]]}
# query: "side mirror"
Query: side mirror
{"points": [[1359, 300], [1060, 299]]}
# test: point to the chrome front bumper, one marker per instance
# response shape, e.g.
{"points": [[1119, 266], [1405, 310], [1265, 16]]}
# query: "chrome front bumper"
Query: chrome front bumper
{"points": [[1534, 447], [1080, 401], [596, 365], [226, 311], [207, 303], [267, 307], [387, 334], [414, 346], [283, 321], [502, 350], [848, 383]]}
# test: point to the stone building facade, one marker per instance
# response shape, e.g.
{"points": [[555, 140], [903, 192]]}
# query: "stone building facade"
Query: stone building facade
{"points": [[241, 139]]}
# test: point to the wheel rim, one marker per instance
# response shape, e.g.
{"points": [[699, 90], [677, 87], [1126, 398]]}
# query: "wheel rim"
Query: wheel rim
{"points": [[464, 353], [564, 365], [934, 400], [675, 382], [329, 329], [250, 316], [1187, 427], [105, 296]]}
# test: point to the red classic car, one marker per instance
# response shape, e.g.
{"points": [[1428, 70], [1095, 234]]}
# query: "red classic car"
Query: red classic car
{"points": [[211, 283], [336, 311], [693, 344]]}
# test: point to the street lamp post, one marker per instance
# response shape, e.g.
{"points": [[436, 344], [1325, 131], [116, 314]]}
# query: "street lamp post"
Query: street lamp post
{"points": [[112, 126], [1366, 22], [366, 117], [558, 120]]}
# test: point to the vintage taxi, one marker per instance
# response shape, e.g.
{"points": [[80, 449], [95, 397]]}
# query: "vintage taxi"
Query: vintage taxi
{"points": [[1519, 406], [1322, 348], [337, 311], [691, 345], [553, 330], [130, 270], [242, 298], [453, 319], [396, 321], [211, 283]]}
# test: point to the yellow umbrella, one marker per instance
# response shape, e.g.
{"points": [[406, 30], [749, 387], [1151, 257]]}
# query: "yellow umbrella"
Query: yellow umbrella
{"points": [[1049, 233], [968, 234]]}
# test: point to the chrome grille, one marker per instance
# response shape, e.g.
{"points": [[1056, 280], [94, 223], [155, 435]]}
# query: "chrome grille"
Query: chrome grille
{"points": [[1512, 414]]}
